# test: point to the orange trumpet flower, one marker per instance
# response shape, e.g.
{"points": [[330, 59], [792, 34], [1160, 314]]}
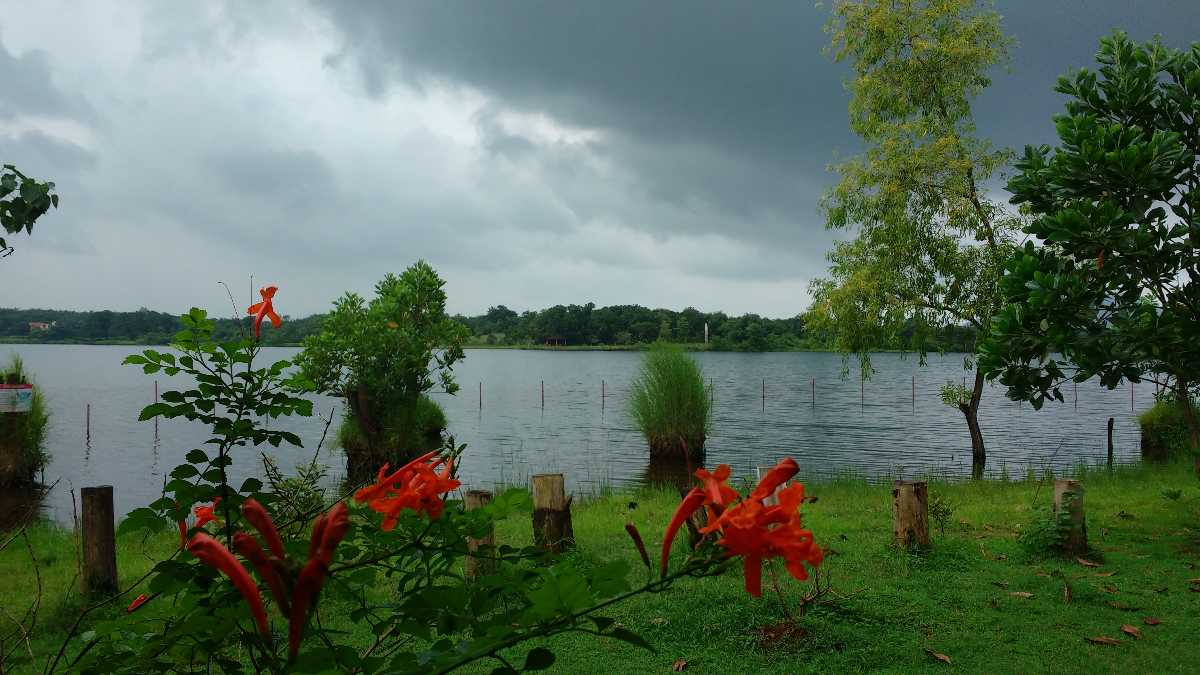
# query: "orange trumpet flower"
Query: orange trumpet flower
{"points": [[264, 310]]}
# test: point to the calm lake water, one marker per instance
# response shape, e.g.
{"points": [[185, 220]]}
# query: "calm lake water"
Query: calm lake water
{"points": [[590, 439]]}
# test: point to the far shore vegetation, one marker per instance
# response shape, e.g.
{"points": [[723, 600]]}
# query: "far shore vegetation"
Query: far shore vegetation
{"points": [[561, 327]]}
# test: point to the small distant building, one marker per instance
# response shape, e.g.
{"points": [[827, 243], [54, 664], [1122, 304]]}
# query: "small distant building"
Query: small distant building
{"points": [[555, 342], [38, 326]]}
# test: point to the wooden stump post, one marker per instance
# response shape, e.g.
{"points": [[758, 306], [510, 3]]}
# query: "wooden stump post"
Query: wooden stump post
{"points": [[910, 513], [474, 567], [551, 513], [1068, 496], [99, 541]]}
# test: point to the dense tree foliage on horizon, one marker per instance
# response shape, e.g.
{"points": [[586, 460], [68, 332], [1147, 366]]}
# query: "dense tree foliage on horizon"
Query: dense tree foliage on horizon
{"points": [[1113, 291], [928, 244], [575, 325], [22, 201]]}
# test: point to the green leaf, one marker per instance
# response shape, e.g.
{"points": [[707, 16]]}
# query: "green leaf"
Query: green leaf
{"points": [[196, 456], [184, 471]]}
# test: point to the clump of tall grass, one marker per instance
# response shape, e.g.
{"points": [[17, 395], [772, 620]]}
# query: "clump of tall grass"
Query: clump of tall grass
{"points": [[26, 432], [670, 404]]}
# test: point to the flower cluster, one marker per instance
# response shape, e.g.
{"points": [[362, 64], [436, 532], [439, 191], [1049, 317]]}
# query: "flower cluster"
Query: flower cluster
{"points": [[274, 567], [204, 513], [751, 528], [418, 485]]}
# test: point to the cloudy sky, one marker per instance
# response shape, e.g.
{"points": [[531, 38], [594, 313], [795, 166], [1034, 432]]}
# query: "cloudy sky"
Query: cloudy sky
{"points": [[666, 154]]}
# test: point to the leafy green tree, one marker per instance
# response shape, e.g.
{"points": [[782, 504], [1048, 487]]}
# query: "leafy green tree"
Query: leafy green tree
{"points": [[929, 244], [1112, 291], [22, 201], [383, 356]]}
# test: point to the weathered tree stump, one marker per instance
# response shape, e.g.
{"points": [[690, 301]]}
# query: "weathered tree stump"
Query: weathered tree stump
{"points": [[99, 575], [910, 514], [475, 567], [1068, 498], [551, 513]]}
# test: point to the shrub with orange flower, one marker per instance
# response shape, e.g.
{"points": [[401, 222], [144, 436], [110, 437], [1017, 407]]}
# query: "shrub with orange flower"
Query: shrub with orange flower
{"points": [[750, 528], [275, 568]]}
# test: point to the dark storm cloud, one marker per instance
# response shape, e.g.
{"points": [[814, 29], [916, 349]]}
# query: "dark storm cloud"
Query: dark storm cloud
{"points": [[27, 87], [748, 80]]}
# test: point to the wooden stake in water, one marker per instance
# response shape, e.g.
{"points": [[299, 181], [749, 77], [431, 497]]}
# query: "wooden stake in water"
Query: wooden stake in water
{"points": [[1076, 395], [481, 395], [1131, 409], [87, 424], [764, 398], [914, 393], [712, 391], [543, 394], [1110, 446], [862, 390], [603, 395], [156, 401], [814, 390]]}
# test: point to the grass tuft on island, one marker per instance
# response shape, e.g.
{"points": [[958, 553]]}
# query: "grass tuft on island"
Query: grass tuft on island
{"points": [[978, 596]]}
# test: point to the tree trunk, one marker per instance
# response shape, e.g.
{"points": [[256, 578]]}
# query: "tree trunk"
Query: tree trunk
{"points": [[1189, 415], [910, 514], [971, 412]]}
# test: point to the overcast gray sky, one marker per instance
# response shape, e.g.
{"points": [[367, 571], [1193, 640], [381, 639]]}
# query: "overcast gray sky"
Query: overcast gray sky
{"points": [[665, 153]]}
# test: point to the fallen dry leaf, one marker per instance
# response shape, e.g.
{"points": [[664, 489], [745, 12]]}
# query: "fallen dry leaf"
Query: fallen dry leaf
{"points": [[1151, 621], [1067, 595], [1103, 640], [1021, 594], [940, 657], [1131, 631], [1086, 563], [1110, 589], [679, 666], [658, 621], [1104, 574], [1000, 584], [1194, 581], [1162, 589]]}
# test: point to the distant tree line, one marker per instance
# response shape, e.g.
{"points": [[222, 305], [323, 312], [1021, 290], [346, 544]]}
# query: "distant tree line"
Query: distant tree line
{"points": [[627, 325], [570, 325], [144, 326]]}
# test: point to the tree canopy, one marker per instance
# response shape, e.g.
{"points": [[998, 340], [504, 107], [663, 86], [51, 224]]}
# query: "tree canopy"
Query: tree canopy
{"points": [[1111, 288]]}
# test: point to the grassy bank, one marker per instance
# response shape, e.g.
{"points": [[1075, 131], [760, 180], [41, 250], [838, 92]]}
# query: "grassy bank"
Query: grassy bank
{"points": [[965, 598]]}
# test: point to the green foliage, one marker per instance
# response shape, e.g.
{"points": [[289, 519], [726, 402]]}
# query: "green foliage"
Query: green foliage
{"points": [[928, 244], [669, 402], [22, 201], [1111, 291], [382, 356], [1164, 430], [1046, 533], [28, 430], [941, 510], [414, 429], [298, 496]]}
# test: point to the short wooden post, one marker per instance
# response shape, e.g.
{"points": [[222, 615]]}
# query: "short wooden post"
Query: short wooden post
{"points": [[910, 513], [99, 541], [551, 513], [1068, 495], [475, 567], [1110, 446]]}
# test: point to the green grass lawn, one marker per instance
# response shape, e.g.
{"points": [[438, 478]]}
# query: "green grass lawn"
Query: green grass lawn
{"points": [[965, 598]]}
